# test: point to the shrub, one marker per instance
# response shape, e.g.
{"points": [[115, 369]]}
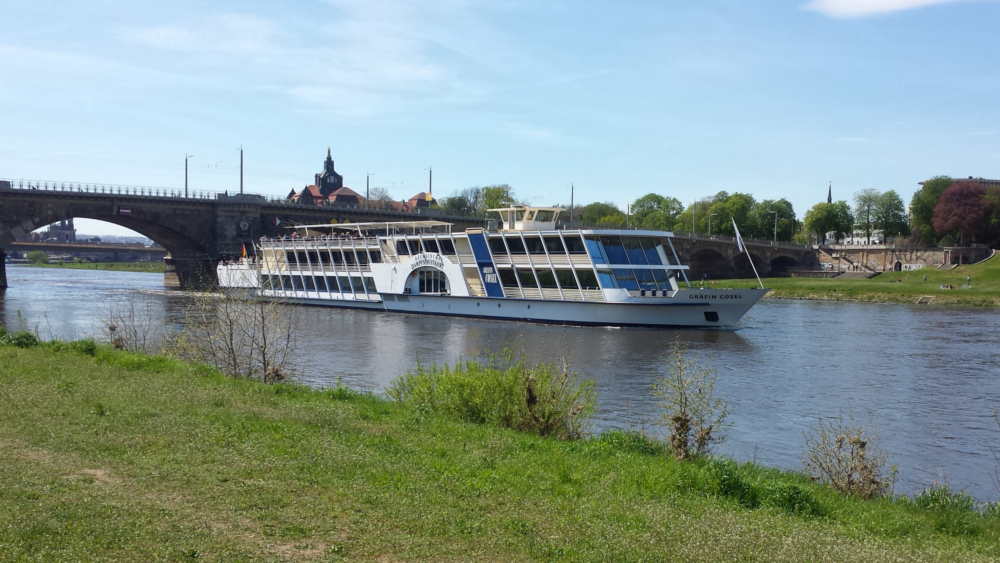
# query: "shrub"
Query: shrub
{"points": [[37, 257], [86, 346], [848, 456], [689, 408], [21, 339], [534, 398]]}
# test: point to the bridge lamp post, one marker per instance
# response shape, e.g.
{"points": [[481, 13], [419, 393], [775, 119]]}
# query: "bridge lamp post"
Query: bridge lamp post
{"points": [[775, 225], [368, 184], [186, 157], [710, 223]]}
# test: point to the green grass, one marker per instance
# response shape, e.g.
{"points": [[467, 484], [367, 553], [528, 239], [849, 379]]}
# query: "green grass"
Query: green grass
{"points": [[116, 456], [984, 292], [151, 267]]}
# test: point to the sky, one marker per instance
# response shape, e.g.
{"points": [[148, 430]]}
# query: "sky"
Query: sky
{"points": [[619, 99]]}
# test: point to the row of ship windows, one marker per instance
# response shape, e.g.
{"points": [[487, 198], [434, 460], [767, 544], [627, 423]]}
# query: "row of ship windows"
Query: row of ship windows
{"points": [[623, 278], [333, 284], [338, 257]]}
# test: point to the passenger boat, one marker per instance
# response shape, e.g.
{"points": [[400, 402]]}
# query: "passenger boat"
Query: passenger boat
{"points": [[520, 269]]}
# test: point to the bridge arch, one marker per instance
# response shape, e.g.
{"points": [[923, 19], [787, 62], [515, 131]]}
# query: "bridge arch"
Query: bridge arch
{"points": [[741, 263], [710, 262], [781, 264]]}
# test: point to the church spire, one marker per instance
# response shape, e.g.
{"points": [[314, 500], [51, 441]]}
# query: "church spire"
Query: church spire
{"points": [[829, 193]]}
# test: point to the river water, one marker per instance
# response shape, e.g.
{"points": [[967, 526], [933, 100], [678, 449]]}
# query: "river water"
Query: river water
{"points": [[928, 377]]}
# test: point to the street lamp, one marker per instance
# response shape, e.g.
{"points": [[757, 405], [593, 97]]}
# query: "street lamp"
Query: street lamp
{"points": [[186, 157], [710, 223], [368, 184], [775, 225]]}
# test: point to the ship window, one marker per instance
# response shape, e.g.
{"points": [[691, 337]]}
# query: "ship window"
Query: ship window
{"points": [[634, 250], [546, 279], [320, 283], [430, 246], [362, 256], [527, 278], [430, 281], [310, 283], [566, 279], [507, 277], [290, 257], [625, 278], [587, 278], [376, 256], [545, 215], [265, 281], [401, 248], [649, 249], [519, 215], [614, 250], [331, 282], [529, 215], [357, 284], [286, 282], [554, 245], [496, 245], [645, 279], [607, 280], [414, 246], [515, 245], [345, 284], [296, 282], [349, 258], [447, 247], [370, 284], [596, 251], [574, 244], [534, 245]]}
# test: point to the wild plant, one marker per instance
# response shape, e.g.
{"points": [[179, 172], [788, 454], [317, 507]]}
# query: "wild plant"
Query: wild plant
{"points": [[848, 455], [504, 391], [689, 409]]}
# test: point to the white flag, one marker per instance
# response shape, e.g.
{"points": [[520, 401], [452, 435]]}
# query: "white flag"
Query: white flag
{"points": [[739, 239]]}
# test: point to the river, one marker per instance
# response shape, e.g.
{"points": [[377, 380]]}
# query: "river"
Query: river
{"points": [[929, 377]]}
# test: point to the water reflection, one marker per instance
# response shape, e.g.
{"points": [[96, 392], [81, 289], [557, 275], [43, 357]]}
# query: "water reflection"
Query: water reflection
{"points": [[927, 375]]}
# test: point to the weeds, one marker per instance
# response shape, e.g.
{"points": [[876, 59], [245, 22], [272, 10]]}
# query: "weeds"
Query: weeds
{"points": [[848, 456], [20, 339], [502, 391], [131, 327], [689, 408]]}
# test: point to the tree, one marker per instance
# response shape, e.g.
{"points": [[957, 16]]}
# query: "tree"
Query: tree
{"points": [[37, 257], [602, 214], [501, 195], [466, 202], [922, 207], [845, 220], [865, 203], [821, 219], [762, 219], [379, 194], [734, 208], [890, 215], [963, 210], [653, 211]]}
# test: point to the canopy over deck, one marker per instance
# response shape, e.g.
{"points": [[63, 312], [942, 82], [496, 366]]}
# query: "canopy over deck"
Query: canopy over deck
{"points": [[382, 227]]}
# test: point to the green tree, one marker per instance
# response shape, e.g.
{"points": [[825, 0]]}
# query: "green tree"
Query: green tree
{"points": [[890, 215], [602, 214], [735, 207], [762, 218], [466, 202], [922, 207], [653, 211], [865, 211], [821, 219], [845, 220], [501, 195], [37, 257]]}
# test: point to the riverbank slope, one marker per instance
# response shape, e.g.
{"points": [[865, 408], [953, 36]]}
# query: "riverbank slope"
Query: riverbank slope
{"points": [[984, 291], [116, 456]]}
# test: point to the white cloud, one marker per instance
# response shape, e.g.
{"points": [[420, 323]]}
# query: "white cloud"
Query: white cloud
{"points": [[860, 8]]}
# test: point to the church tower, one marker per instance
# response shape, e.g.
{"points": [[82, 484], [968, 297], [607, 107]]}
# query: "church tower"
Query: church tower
{"points": [[328, 180], [829, 193]]}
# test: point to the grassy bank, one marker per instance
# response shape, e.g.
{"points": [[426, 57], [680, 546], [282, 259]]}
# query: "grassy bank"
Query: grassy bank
{"points": [[883, 288], [114, 456], [151, 267]]}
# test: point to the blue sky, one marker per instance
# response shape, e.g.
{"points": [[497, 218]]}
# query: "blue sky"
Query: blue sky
{"points": [[685, 99]]}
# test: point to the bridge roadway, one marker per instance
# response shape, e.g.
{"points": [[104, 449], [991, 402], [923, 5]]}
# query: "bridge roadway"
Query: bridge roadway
{"points": [[199, 230]]}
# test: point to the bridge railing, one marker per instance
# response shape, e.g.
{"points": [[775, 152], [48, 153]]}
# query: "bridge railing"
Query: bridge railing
{"points": [[105, 189]]}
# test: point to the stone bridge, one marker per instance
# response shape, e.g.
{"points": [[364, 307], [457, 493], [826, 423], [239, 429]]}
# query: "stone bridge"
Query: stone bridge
{"points": [[719, 257], [197, 229]]}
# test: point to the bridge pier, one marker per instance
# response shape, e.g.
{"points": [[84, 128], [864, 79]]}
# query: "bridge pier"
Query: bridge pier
{"points": [[189, 272]]}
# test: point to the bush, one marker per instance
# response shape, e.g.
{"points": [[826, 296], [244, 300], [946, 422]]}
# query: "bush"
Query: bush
{"points": [[689, 408], [21, 339], [37, 257], [849, 457], [501, 391], [86, 346], [940, 497]]}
